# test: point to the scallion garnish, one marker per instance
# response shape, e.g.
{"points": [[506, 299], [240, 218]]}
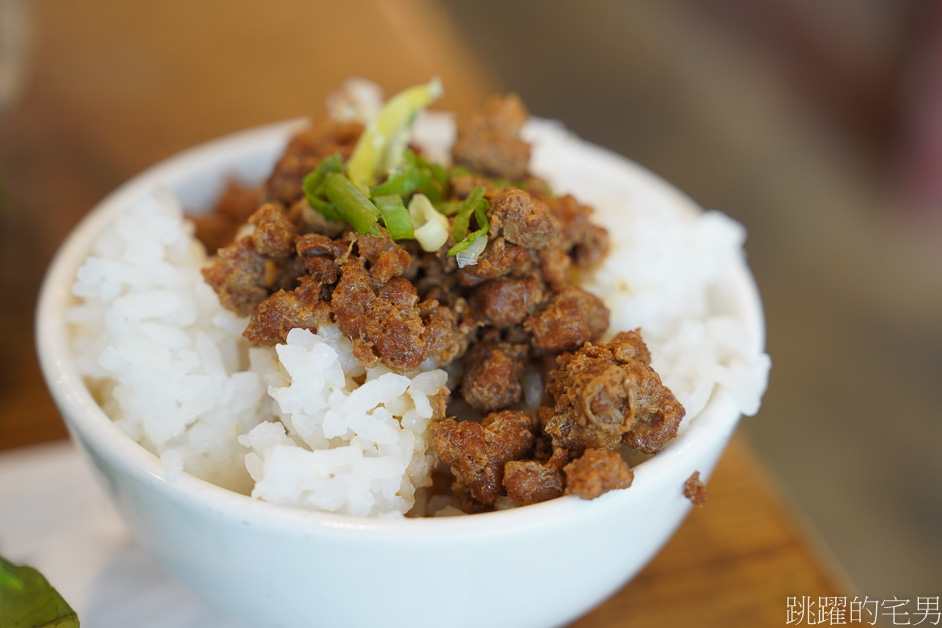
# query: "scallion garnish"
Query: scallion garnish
{"points": [[404, 181], [475, 204], [350, 192], [431, 227], [395, 216], [413, 175], [313, 186], [469, 255], [351, 203], [459, 230], [440, 171], [449, 208], [385, 137]]}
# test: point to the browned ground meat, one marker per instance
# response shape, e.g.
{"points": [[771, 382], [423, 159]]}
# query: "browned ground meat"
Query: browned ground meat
{"points": [[603, 395], [353, 280], [492, 375], [583, 239], [477, 452], [237, 274], [274, 233], [384, 318], [499, 259], [489, 142], [523, 220], [555, 265], [510, 313], [381, 318], [283, 311], [507, 301], [571, 318], [531, 481], [630, 346], [307, 220], [526, 241], [596, 472], [382, 256], [449, 330], [463, 184], [285, 274], [218, 228], [304, 152], [591, 248], [434, 274], [695, 490], [322, 256]]}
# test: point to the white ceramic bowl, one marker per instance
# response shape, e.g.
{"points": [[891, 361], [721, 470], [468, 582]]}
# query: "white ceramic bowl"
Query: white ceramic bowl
{"points": [[542, 565]]}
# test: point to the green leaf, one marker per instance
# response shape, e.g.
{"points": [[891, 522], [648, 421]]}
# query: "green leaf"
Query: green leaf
{"points": [[27, 600], [9, 581]]}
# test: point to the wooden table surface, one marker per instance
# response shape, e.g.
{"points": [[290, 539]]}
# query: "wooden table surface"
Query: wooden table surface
{"points": [[112, 87]]}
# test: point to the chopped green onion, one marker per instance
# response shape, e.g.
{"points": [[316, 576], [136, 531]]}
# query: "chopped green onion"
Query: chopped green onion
{"points": [[395, 216], [351, 203], [314, 181], [386, 136], [468, 241], [414, 175], [431, 227], [469, 255], [480, 213], [458, 170], [325, 208], [463, 218], [404, 182], [449, 208], [465, 241], [439, 171], [313, 186]]}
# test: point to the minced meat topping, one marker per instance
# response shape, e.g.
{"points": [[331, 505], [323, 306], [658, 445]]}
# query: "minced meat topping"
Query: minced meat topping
{"points": [[516, 311]]}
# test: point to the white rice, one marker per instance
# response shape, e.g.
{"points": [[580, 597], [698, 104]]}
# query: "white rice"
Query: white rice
{"points": [[164, 359], [304, 424], [340, 446]]}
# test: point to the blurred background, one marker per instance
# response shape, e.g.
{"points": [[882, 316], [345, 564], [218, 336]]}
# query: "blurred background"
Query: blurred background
{"points": [[816, 124]]}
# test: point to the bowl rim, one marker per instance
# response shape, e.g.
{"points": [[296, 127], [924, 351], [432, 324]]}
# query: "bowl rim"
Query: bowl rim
{"points": [[87, 421]]}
